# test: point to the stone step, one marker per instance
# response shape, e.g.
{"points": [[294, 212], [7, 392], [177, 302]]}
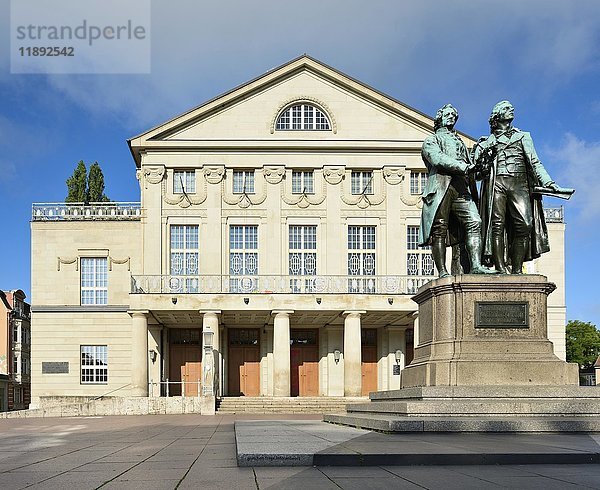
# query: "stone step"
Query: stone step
{"points": [[267, 443], [392, 423], [285, 404], [484, 407], [489, 392]]}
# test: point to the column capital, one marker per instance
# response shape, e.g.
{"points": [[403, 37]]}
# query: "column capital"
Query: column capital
{"points": [[138, 313], [280, 312], [203, 312], [354, 312]]}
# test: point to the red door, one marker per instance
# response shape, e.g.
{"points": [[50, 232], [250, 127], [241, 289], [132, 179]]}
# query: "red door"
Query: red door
{"points": [[304, 360], [185, 364], [368, 361], [244, 363], [369, 369]]}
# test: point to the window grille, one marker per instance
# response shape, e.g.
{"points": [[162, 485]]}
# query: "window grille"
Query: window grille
{"points": [[94, 281], [184, 258], [184, 181], [302, 256], [94, 364], [243, 257], [419, 261], [417, 182], [361, 258], [243, 181], [305, 117], [303, 182], [361, 182]]}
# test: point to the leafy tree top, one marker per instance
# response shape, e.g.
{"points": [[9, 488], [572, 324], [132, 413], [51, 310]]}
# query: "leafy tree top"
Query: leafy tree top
{"points": [[583, 343], [84, 186]]}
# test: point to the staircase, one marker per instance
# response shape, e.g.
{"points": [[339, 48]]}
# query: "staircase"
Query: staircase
{"points": [[477, 409], [272, 404]]}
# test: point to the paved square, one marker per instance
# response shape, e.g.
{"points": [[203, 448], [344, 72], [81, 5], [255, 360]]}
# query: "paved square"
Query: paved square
{"points": [[192, 451]]}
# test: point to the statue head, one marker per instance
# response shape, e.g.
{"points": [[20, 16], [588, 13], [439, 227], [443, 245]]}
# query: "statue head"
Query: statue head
{"points": [[445, 117], [502, 111]]}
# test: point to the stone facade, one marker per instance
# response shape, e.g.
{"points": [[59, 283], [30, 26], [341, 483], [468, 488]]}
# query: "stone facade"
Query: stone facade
{"points": [[281, 218]]}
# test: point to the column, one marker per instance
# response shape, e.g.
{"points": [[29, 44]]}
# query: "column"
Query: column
{"points": [[281, 352], [139, 352], [210, 323], [352, 353]]}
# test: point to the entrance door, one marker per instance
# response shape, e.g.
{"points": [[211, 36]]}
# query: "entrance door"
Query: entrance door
{"points": [[185, 362], [244, 362], [369, 361], [304, 360]]}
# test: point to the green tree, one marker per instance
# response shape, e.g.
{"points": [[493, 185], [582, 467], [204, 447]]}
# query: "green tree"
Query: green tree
{"points": [[96, 184], [77, 184], [583, 343], [86, 187]]}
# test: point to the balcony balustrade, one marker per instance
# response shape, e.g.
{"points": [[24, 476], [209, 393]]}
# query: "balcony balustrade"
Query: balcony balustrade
{"points": [[82, 212], [554, 215], [276, 284]]}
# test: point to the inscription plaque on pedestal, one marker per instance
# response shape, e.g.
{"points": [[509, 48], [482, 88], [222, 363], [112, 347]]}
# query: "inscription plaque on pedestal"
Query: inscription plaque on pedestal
{"points": [[501, 314]]}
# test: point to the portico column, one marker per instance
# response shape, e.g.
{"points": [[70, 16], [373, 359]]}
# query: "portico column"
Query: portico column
{"points": [[352, 353], [281, 353], [139, 352], [210, 323]]}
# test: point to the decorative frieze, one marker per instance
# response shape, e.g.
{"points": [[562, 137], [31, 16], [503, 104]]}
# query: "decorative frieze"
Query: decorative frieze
{"points": [[333, 174], [274, 174], [214, 174], [70, 260], [112, 261], [153, 174], [394, 175]]}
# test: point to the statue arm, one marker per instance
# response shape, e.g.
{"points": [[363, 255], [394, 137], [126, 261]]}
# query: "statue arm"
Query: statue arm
{"points": [[443, 163], [538, 169]]}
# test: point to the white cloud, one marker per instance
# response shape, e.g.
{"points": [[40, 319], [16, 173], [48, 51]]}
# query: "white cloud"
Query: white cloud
{"points": [[578, 160], [426, 53]]}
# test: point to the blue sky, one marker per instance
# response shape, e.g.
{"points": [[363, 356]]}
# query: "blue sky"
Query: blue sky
{"points": [[544, 56]]}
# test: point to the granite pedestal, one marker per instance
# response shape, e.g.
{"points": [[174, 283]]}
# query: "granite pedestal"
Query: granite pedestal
{"points": [[483, 363]]}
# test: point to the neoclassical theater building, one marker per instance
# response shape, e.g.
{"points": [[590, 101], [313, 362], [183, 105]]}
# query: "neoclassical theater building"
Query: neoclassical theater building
{"points": [[281, 217]]}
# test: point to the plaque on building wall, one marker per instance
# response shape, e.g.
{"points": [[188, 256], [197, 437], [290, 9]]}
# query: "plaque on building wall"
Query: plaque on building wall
{"points": [[501, 314], [396, 371], [55, 368]]}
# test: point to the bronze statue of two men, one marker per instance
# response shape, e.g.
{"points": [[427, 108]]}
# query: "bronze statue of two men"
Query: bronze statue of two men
{"points": [[506, 224]]}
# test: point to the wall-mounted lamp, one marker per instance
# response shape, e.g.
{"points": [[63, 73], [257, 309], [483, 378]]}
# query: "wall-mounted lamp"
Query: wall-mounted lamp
{"points": [[391, 301], [398, 356], [246, 300], [318, 301], [207, 339], [174, 300], [336, 355], [152, 353]]}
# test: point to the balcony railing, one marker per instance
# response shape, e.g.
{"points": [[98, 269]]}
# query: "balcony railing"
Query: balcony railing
{"points": [[554, 215], [276, 284], [80, 211]]}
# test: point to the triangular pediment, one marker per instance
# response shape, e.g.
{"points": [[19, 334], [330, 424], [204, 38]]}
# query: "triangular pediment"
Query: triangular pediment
{"points": [[357, 112]]}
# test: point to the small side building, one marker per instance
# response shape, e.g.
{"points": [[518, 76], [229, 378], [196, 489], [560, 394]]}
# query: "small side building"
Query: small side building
{"points": [[15, 351]]}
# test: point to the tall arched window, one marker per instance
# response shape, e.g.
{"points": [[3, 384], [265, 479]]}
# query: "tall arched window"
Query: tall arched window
{"points": [[303, 117]]}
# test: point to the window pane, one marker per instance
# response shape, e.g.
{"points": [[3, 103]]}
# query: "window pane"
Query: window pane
{"points": [[94, 281], [184, 249], [94, 364], [303, 117]]}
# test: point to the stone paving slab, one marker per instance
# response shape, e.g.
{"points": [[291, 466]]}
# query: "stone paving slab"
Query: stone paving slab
{"points": [[307, 443], [101, 453]]}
